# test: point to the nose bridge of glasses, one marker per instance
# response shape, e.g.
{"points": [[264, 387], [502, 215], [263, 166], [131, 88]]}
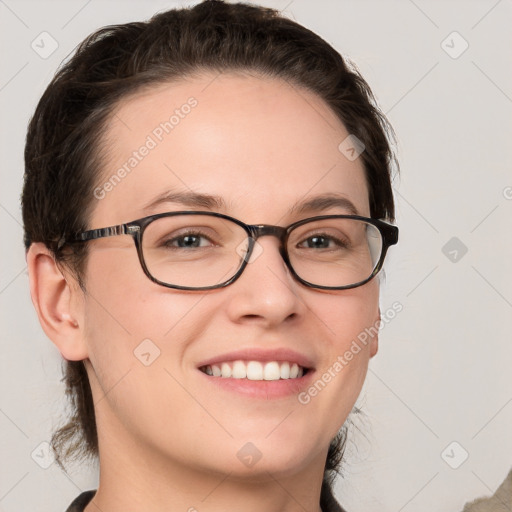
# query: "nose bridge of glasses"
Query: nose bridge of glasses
{"points": [[260, 230], [257, 231]]}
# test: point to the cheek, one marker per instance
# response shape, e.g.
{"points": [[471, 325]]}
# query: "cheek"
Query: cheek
{"points": [[349, 314], [124, 303], [348, 321], [119, 314]]}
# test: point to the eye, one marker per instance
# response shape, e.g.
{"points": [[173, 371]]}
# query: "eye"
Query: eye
{"points": [[323, 241], [192, 240]]}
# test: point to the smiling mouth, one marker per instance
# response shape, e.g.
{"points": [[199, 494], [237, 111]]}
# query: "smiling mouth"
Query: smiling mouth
{"points": [[256, 370]]}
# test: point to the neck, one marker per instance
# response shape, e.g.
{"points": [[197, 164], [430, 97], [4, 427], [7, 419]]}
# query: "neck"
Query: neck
{"points": [[134, 477]]}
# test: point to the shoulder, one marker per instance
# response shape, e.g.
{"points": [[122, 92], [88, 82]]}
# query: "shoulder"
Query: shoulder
{"points": [[500, 501], [81, 501]]}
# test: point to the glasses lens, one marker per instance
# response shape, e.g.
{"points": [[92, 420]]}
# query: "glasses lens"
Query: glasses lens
{"points": [[335, 252], [194, 250]]}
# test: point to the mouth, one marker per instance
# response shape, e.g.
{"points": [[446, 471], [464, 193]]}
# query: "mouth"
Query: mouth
{"points": [[256, 370], [256, 373]]}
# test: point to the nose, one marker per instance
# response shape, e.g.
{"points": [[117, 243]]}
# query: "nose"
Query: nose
{"points": [[266, 292]]}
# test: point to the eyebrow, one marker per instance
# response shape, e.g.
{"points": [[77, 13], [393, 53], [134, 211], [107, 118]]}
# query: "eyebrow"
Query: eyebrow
{"points": [[214, 202], [324, 202], [192, 199]]}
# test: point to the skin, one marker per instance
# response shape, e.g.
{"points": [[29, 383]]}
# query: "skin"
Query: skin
{"points": [[168, 441]]}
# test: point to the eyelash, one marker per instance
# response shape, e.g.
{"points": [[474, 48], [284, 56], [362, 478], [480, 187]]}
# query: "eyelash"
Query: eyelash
{"points": [[338, 241], [196, 233]]}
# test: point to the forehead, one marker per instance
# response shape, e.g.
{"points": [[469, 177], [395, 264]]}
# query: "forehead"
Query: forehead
{"points": [[259, 143]]}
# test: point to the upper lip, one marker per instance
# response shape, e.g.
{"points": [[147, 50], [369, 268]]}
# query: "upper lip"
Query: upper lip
{"points": [[259, 354]]}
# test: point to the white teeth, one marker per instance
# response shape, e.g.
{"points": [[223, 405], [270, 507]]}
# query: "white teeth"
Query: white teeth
{"points": [[285, 371], [239, 370], [255, 370], [271, 371], [225, 370]]}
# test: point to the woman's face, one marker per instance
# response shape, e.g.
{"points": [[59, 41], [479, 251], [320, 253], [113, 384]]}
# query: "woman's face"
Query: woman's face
{"points": [[262, 146]]}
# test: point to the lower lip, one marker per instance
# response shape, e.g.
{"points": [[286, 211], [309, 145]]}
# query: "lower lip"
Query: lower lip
{"points": [[263, 389]]}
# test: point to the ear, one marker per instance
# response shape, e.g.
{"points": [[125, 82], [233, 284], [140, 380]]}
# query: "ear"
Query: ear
{"points": [[58, 301], [374, 344]]}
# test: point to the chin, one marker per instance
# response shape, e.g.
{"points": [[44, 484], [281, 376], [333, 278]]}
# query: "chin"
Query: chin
{"points": [[262, 459]]}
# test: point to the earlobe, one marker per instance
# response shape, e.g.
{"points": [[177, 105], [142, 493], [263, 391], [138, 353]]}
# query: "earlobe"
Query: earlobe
{"points": [[56, 302]]}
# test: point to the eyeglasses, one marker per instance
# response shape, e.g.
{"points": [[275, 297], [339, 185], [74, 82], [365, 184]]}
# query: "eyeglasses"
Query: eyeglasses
{"points": [[193, 250]]}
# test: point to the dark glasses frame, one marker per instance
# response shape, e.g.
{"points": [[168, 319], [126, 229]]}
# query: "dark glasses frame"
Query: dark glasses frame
{"points": [[136, 229]]}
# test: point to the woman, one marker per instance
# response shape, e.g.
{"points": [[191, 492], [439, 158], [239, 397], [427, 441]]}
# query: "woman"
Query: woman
{"points": [[203, 207]]}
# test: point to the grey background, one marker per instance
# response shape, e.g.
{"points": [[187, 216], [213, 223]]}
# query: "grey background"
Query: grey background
{"points": [[442, 374]]}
